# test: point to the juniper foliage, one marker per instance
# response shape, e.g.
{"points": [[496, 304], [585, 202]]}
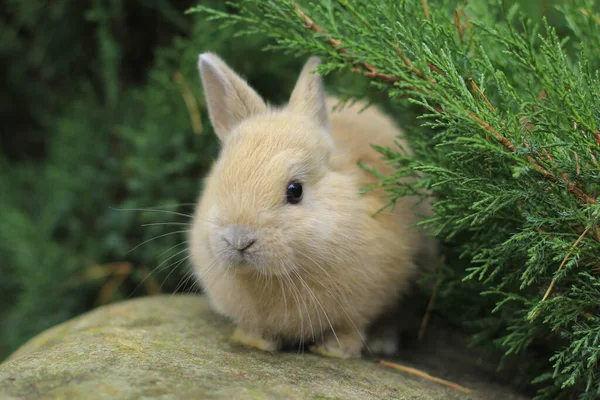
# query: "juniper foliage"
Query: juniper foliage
{"points": [[507, 133]]}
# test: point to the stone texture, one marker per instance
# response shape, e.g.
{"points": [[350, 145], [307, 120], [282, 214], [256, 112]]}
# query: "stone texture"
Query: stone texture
{"points": [[174, 347]]}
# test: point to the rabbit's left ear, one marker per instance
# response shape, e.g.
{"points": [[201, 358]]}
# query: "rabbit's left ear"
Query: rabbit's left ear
{"points": [[308, 96]]}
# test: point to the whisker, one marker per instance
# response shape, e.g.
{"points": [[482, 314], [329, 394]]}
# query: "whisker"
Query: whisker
{"points": [[152, 210], [308, 312], [167, 223], [189, 274], [171, 248], [173, 205], [322, 309], [155, 237], [173, 269], [294, 291], [335, 299], [162, 263]]}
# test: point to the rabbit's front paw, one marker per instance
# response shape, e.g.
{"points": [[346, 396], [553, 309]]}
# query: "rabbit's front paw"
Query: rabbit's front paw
{"points": [[254, 340], [341, 345]]}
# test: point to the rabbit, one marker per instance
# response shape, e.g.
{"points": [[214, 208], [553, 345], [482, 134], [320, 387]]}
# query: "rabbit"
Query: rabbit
{"points": [[282, 241]]}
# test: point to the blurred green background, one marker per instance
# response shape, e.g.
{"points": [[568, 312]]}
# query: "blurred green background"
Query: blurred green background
{"points": [[102, 113]]}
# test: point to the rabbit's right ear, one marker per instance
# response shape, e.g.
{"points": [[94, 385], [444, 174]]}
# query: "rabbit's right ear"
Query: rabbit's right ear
{"points": [[229, 98]]}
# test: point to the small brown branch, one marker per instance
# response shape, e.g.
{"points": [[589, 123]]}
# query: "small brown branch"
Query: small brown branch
{"points": [[408, 64], [431, 304], [118, 272], [588, 14], [416, 372], [151, 285], [426, 9], [548, 155], [505, 142], [190, 102], [593, 156], [577, 166], [564, 261], [460, 28], [597, 137], [378, 75], [476, 88]]}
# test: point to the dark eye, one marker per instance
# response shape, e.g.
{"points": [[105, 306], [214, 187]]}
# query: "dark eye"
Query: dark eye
{"points": [[293, 193]]}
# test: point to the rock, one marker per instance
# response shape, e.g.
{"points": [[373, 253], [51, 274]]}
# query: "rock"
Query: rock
{"points": [[174, 347]]}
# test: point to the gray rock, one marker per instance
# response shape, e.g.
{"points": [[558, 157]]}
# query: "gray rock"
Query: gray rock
{"points": [[174, 347]]}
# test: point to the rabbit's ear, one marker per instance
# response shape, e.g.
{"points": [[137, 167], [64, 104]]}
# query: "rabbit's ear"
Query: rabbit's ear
{"points": [[308, 97], [229, 98]]}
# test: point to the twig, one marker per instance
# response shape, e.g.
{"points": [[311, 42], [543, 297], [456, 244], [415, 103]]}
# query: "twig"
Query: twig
{"points": [[587, 14], [505, 142], [415, 70], [431, 304], [152, 287], [372, 72], [476, 88], [564, 261], [597, 137], [457, 17], [190, 102], [425, 375], [425, 9], [549, 156], [427, 316], [119, 272]]}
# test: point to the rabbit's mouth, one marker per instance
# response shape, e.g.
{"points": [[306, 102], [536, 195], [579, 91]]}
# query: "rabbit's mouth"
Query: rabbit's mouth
{"points": [[241, 248]]}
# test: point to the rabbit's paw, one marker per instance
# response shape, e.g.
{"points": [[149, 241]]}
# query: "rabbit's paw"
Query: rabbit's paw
{"points": [[340, 345], [254, 340]]}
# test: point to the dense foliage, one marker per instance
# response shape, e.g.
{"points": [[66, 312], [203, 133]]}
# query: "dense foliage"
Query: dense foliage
{"points": [[508, 138]]}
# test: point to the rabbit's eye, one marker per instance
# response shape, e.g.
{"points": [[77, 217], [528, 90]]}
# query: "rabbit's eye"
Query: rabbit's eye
{"points": [[293, 193]]}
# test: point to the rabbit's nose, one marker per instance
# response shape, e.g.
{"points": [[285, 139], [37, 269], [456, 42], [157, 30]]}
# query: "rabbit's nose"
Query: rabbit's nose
{"points": [[240, 238]]}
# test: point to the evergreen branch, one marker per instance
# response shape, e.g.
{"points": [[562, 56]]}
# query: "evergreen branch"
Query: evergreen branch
{"points": [[371, 71], [367, 70], [564, 261], [571, 186], [374, 73]]}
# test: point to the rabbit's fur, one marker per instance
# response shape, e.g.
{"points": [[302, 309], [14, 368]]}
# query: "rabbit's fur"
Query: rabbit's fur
{"points": [[319, 271]]}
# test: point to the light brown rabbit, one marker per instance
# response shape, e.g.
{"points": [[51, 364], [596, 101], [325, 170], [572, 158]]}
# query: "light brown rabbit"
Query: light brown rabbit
{"points": [[282, 241]]}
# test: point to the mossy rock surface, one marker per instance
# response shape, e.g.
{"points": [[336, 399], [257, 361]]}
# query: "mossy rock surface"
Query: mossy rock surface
{"points": [[175, 347]]}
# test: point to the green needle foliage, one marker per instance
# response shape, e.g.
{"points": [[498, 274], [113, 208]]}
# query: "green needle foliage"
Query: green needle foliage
{"points": [[507, 133]]}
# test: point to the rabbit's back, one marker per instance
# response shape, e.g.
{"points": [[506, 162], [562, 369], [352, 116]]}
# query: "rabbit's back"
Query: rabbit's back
{"points": [[355, 128]]}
